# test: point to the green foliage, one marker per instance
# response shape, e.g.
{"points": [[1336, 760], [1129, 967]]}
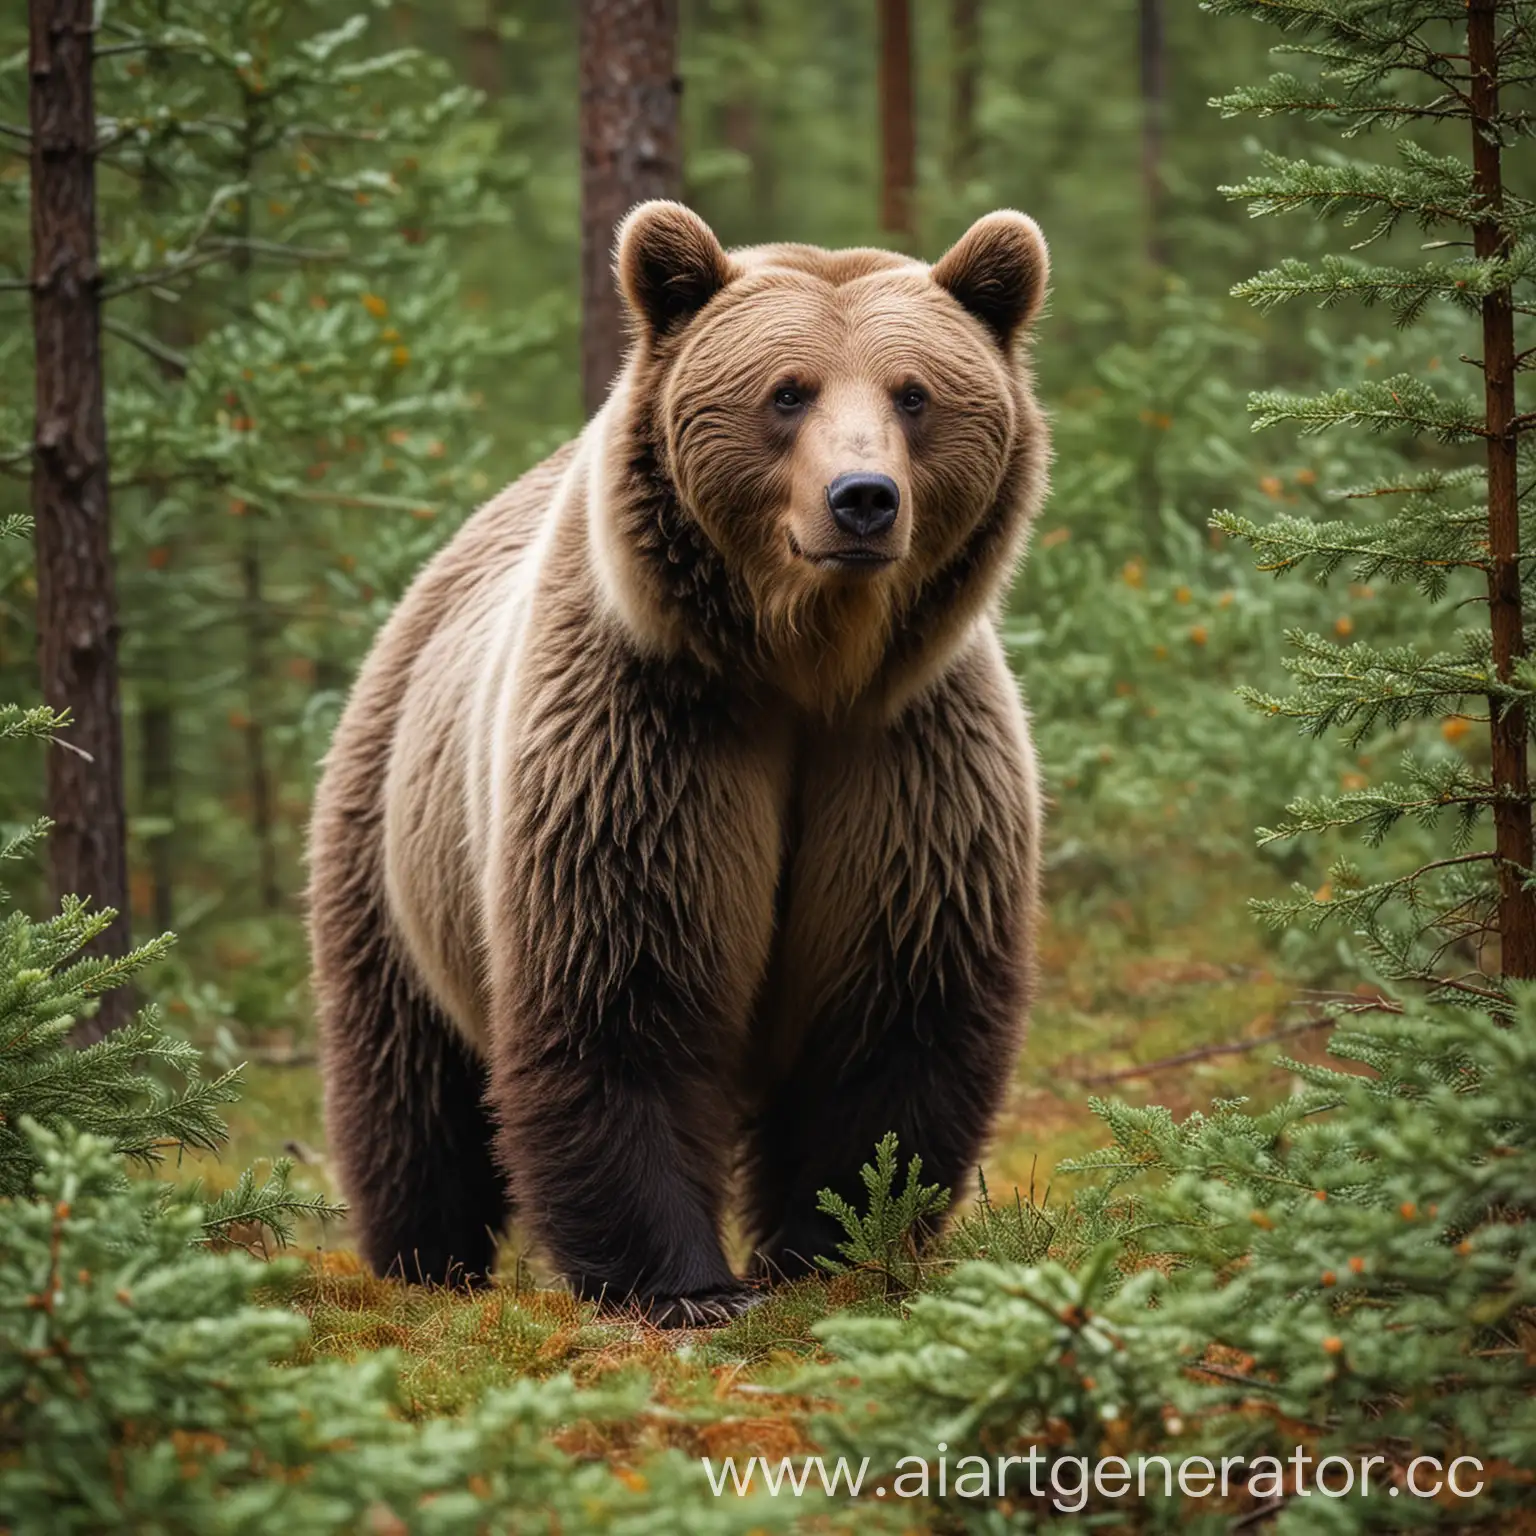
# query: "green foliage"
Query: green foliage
{"points": [[1406, 291], [115, 1088], [145, 1385], [1019, 1231], [106, 1086], [1441, 538], [1426, 542], [257, 1206], [888, 1239], [1353, 1271], [1379, 1276], [1003, 1356], [110, 1088]]}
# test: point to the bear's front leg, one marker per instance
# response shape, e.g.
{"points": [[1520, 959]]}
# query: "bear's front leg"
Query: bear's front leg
{"points": [[900, 1004], [630, 928], [619, 1154]]}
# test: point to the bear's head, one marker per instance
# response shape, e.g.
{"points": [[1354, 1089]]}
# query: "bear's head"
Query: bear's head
{"points": [[820, 464]]}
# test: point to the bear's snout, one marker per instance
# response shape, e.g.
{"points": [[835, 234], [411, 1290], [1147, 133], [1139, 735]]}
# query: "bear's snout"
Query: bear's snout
{"points": [[864, 505]]}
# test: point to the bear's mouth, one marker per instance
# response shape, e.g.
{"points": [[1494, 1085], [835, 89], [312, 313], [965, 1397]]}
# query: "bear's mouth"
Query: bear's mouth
{"points": [[859, 560]]}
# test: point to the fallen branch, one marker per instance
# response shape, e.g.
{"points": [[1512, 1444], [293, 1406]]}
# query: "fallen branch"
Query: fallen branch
{"points": [[1205, 1052]]}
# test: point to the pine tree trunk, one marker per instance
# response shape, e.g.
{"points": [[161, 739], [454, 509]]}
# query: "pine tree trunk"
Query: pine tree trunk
{"points": [[485, 60], [1153, 74], [76, 600], [898, 137], [253, 594], [965, 40], [1511, 769], [258, 773], [171, 325], [629, 152], [742, 129], [157, 748]]}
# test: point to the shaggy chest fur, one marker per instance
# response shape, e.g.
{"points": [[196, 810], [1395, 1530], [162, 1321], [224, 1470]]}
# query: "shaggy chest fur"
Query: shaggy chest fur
{"points": [[530, 718]]}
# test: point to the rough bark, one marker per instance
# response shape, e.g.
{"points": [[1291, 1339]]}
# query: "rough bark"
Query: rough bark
{"points": [[1153, 74], [898, 136], [965, 40], [76, 598], [1511, 768], [629, 152]]}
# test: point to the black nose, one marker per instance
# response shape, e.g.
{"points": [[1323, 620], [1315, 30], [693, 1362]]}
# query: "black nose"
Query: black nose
{"points": [[863, 505]]}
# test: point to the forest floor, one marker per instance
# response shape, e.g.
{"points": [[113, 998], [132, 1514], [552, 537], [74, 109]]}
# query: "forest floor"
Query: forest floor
{"points": [[1157, 996]]}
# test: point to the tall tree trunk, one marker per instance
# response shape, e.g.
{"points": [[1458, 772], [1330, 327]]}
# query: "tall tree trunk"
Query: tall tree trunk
{"points": [[898, 135], [485, 61], [159, 651], [1154, 73], [157, 777], [742, 127], [965, 42], [76, 601], [1511, 769], [253, 595], [630, 151], [258, 771]]}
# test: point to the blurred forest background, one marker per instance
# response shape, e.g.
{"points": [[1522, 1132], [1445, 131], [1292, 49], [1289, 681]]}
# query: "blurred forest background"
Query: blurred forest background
{"points": [[354, 278], [343, 253]]}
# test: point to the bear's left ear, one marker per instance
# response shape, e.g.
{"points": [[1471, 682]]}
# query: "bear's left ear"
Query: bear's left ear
{"points": [[998, 269], [669, 265]]}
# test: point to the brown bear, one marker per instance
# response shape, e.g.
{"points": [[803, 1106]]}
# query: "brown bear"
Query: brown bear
{"points": [[680, 835]]}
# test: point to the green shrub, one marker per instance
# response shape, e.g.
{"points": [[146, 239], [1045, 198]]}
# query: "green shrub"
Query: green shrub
{"points": [[143, 1387]]}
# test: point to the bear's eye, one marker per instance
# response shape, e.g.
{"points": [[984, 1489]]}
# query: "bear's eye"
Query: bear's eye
{"points": [[912, 399], [787, 398]]}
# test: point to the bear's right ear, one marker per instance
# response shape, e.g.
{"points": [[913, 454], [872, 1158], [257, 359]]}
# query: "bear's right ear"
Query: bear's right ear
{"points": [[998, 269], [669, 265]]}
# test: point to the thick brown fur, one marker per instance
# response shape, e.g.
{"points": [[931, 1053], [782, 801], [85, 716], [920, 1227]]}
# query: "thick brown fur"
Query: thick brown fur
{"points": [[662, 842]]}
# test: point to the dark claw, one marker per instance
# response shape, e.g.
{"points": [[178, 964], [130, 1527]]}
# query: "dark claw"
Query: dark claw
{"points": [[704, 1309]]}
